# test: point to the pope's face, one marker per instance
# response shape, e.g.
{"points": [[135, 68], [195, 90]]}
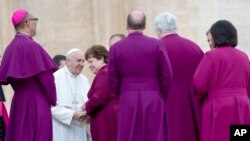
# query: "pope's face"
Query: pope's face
{"points": [[75, 62]]}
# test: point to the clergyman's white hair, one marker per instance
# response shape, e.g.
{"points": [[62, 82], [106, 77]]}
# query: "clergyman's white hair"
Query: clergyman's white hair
{"points": [[71, 51], [166, 22]]}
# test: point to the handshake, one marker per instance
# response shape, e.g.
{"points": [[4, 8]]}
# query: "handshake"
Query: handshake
{"points": [[80, 115]]}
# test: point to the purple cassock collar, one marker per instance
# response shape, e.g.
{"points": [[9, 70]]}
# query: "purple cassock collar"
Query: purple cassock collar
{"points": [[135, 33], [170, 34]]}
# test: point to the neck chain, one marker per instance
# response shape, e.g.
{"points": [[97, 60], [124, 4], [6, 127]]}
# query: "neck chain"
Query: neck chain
{"points": [[74, 89]]}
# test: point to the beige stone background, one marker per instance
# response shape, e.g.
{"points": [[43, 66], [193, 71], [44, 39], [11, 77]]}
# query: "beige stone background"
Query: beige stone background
{"points": [[66, 24]]}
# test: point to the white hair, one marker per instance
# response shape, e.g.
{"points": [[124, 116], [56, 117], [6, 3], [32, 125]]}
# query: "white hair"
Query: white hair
{"points": [[69, 53], [166, 22]]}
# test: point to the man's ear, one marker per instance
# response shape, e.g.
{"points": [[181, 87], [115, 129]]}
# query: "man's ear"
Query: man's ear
{"points": [[158, 30], [27, 23], [67, 60]]}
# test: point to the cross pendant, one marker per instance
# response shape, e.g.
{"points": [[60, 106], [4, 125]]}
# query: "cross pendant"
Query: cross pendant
{"points": [[75, 102]]}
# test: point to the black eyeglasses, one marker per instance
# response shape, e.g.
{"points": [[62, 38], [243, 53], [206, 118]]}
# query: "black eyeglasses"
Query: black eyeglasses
{"points": [[34, 19]]}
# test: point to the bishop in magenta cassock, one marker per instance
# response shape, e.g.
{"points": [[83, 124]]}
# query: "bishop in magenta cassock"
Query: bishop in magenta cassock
{"points": [[140, 73], [29, 70], [183, 110]]}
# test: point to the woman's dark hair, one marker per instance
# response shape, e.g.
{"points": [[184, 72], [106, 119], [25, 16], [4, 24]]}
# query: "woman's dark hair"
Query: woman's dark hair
{"points": [[98, 52], [224, 33]]}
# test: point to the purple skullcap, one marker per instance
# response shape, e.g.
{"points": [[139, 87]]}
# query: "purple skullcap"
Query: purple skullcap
{"points": [[18, 16]]}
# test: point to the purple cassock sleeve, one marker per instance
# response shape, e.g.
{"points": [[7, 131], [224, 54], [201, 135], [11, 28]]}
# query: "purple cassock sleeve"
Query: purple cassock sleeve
{"points": [[113, 75], [99, 93], [165, 74], [202, 76], [46, 80]]}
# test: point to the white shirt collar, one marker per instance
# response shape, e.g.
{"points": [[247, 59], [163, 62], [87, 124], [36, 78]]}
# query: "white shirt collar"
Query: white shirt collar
{"points": [[68, 72]]}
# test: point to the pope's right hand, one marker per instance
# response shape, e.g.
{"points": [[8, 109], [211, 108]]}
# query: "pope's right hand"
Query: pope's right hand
{"points": [[78, 115]]}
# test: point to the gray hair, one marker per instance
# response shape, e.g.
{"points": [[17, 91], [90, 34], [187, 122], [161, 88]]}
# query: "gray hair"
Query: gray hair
{"points": [[166, 22]]}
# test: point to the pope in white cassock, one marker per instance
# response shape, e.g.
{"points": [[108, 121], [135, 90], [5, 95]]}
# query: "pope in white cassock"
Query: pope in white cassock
{"points": [[72, 88]]}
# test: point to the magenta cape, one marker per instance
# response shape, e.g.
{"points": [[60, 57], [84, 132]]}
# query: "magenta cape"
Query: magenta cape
{"points": [[24, 58]]}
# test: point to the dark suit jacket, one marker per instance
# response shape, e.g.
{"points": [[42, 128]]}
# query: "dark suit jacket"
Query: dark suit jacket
{"points": [[2, 98]]}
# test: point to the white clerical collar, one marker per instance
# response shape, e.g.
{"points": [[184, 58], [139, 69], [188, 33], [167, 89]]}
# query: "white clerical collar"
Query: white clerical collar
{"points": [[68, 72], [23, 34]]}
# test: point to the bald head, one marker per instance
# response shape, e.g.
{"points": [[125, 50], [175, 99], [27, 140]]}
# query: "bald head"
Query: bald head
{"points": [[136, 20], [115, 38]]}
